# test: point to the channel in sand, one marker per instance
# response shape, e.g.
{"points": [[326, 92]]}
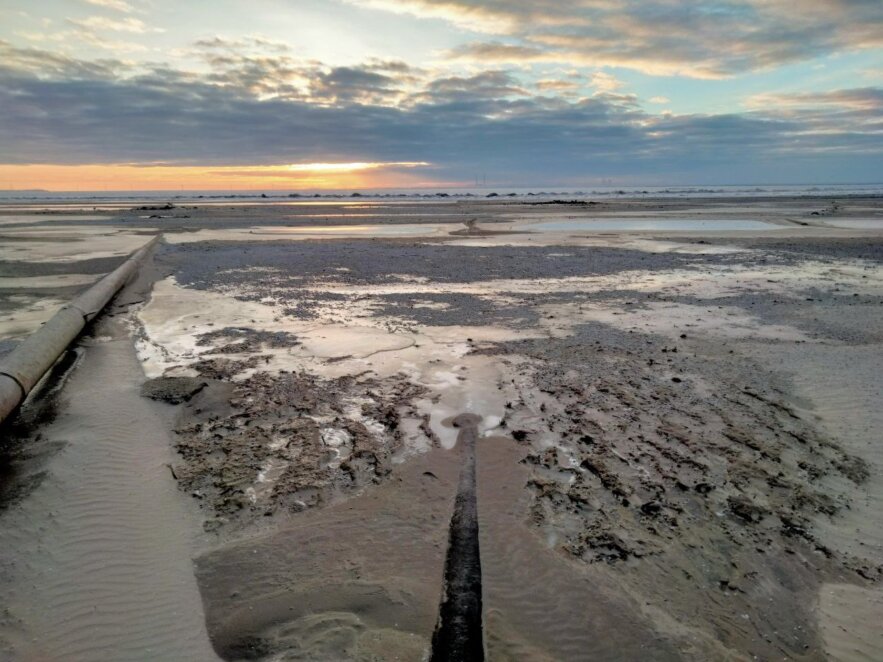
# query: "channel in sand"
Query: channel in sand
{"points": [[458, 635], [356, 580]]}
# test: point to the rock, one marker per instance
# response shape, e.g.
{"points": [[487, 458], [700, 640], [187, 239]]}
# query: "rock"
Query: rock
{"points": [[745, 509], [173, 390]]}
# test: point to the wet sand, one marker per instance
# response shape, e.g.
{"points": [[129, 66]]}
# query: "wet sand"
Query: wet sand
{"points": [[95, 561], [675, 451]]}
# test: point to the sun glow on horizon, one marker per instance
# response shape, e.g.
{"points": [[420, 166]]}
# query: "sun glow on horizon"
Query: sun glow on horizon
{"points": [[131, 177], [352, 167]]}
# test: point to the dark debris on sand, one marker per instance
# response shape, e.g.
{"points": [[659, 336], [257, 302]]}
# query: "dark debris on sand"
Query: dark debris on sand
{"points": [[260, 445]]}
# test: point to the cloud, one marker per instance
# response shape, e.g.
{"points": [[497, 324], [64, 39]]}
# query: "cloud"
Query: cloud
{"points": [[865, 99], [659, 100], [62, 110], [116, 5], [354, 85], [554, 85], [85, 37], [257, 67], [492, 17], [844, 121], [295, 170], [604, 82], [713, 39], [241, 45], [471, 90], [495, 51], [40, 63], [133, 25]]}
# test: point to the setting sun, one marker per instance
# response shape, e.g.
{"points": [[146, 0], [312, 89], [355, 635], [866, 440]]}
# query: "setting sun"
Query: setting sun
{"points": [[129, 177]]}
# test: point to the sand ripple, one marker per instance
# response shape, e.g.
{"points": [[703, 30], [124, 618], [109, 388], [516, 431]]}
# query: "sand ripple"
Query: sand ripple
{"points": [[95, 563]]}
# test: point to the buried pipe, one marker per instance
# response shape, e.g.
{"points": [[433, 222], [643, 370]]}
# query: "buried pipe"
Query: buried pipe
{"points": [[24, 366]]}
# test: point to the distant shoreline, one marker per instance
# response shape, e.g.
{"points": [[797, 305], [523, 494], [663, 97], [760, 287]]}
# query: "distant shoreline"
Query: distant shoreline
{"points": [[465, 193]]}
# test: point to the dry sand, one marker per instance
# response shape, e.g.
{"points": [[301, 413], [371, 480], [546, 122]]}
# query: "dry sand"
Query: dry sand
{"points": [[675, 438]]}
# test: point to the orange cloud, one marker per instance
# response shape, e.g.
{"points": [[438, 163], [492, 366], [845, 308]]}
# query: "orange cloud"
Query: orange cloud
{"points": [[133, 177]]}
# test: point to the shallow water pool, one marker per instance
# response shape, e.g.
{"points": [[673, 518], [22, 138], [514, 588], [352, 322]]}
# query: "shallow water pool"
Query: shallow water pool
{"points": [[856, 223], [15, 219], [353, 230], [631, 224]]}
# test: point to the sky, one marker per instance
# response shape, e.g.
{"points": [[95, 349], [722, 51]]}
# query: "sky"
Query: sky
{"points": [[303, 95]]}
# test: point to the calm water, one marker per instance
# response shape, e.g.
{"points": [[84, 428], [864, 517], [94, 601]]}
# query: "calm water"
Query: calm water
{"points": [[856, 223], [502, 192], [619, 224]]}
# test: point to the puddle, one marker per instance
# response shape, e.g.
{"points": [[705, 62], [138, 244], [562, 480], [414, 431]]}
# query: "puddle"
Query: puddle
{"points": [[635, 243], [69, 244], [50, 208], [352, 339], [397, 214], [650, 224], [856, 223], [273, 233], [47, 282], [438, 358], [353, 230], [671, 320], [350, 204], [722, 281], [43, 218], [28, 316]]}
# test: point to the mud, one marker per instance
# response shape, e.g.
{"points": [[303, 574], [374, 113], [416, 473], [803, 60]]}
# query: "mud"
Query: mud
{"points": [[659, 455], [676, 456], [25, 449], [286, 443], [245, 340], [173, 390], [288, 264], [690, 475], [358, 580]]}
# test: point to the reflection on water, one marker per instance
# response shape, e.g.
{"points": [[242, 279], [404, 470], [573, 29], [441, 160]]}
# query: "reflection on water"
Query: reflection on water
{"points": [[131, 203], [630, 224], [14, 219], [856, 223], [348, 230], [350, 214]]}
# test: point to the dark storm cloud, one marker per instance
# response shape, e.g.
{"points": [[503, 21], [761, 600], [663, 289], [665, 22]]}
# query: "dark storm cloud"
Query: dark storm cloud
{"points": [[261, 68], [57, 110], [477, 89], [353, 84]]}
